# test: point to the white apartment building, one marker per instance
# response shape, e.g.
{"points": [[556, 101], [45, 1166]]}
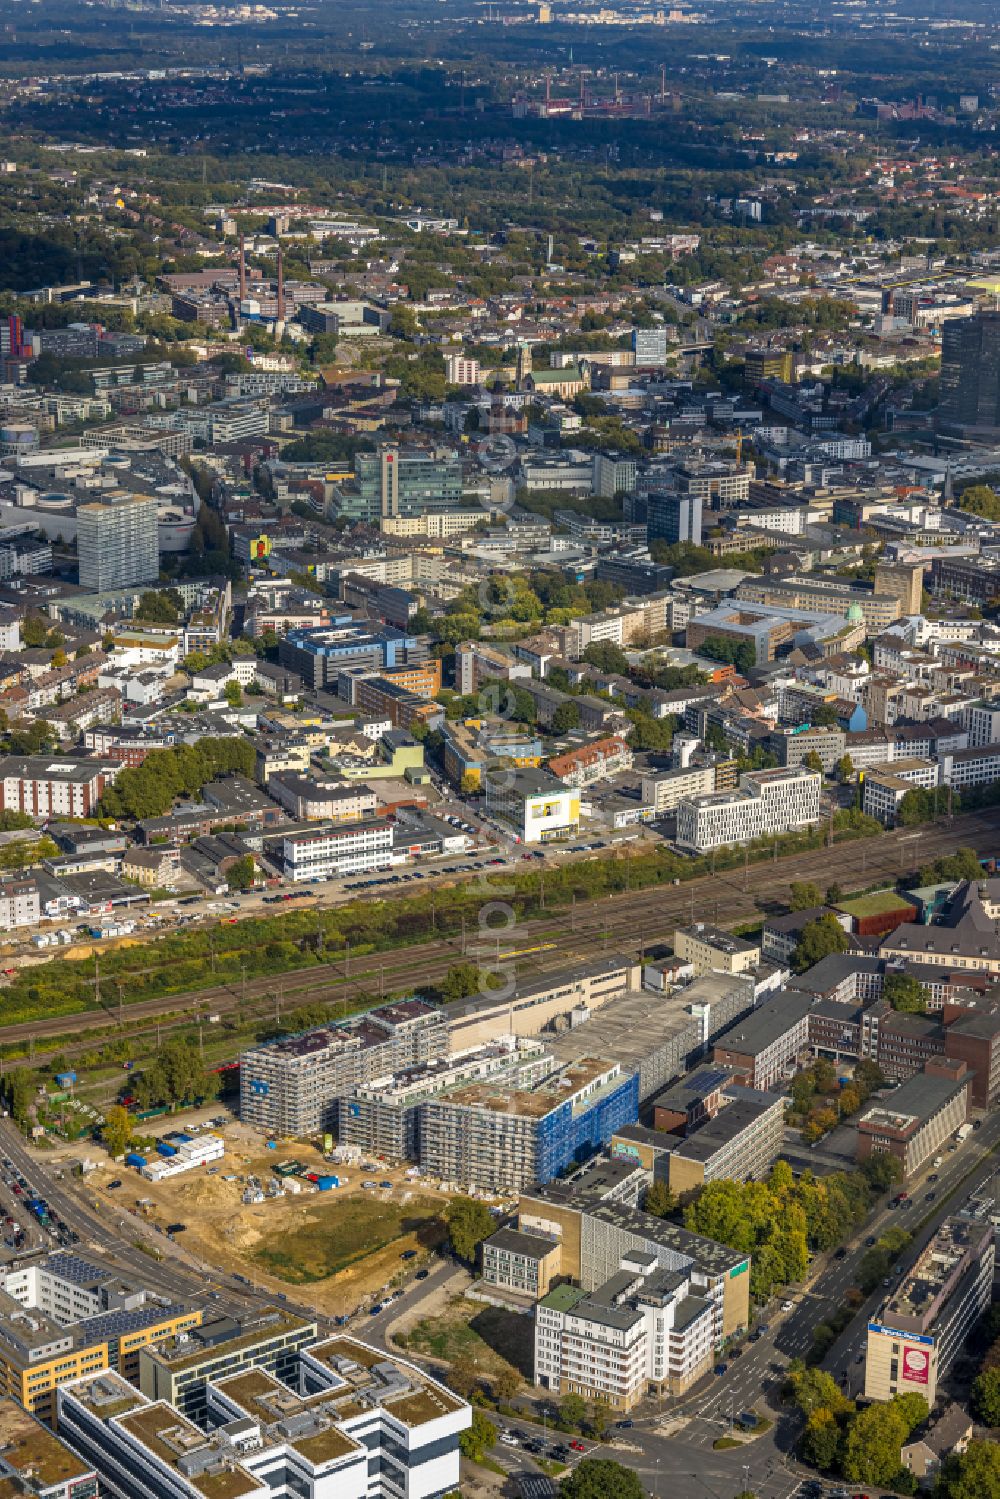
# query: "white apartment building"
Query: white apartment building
{"points": [[982, 720], [768, 802], [884, 790], [460, 370], [325, 853], [20, 904], [646, 1329], [663, 790]]}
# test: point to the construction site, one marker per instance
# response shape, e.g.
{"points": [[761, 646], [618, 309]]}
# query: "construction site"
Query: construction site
{"points": [[287, 1217]]}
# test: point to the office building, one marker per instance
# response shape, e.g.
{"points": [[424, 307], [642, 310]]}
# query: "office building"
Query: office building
{"points": [[117, 542], [525, 1007], [291, 1086], [62, 1316], [176, 1370], [594, 1231], [767, 803], [764, 1047], [536, 806], [344, 1421], [674, 517], [520, 1262], [647, 1330], [964, 933], [918, 1118], [970, 372], [710, 950], [395, 484], [499, 1140], [740, 1141], [34, 1461], [337, 851], [319, 656], [924, 1321]]}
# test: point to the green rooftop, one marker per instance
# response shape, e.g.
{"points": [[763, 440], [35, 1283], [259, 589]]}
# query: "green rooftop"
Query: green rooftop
{"points": [[562, 1298], [876, 904]]}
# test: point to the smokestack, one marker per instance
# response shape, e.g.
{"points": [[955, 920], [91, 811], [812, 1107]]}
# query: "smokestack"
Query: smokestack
{"points": [[243, 268], [548, 91], [281, 290]]}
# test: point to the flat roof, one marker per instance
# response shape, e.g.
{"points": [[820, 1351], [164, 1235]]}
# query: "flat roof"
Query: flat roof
{"points": [[172, 1438], [913, 1101], [35, 1453]]}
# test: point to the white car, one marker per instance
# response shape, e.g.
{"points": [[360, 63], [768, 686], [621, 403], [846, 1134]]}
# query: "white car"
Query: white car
{"points": [[508, 1438], [787, 1306]]}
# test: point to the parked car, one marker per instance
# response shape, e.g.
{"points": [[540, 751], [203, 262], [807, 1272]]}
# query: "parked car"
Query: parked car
{"points": [[577, 1446]]}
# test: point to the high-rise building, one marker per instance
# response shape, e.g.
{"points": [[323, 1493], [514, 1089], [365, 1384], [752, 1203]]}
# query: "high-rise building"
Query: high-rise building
{"points": [[117, 542], [649, 345], [970, 371], [924, 1321], [673, 517]]}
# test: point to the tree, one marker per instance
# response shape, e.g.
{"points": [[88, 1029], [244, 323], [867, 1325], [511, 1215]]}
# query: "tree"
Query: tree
{"points": [[660, 1201], [804, 895], [819, 938], [572, 1411], [473, 1442], [882, 1172], [242, 873], [607, 656], [601, 1478], [821, 1439], [980, 499], [986, 1397], [506, 1383], [470, 780], [973, 1475], [872, 1444], [117, 1131], [813, 762], [845, 768], [159, 606], [905, 993], [813, 1390], [175, 1075], [834, 895], [601, 1414], [461, 980], [233, 694], [566, 717], [58, 659], [469, 1223]]}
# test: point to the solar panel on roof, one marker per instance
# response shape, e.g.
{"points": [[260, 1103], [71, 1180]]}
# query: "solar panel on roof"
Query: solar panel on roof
{"points": [[73, 1268]]}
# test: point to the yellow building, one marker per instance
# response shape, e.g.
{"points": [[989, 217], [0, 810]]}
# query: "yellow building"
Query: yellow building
{"points": [[711, 950]]}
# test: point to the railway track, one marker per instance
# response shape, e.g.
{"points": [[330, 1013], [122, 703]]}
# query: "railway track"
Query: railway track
{"points": [[624, 921]]}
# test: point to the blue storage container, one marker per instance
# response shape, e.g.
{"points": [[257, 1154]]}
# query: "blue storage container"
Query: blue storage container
{"points": [[135, 1159]]}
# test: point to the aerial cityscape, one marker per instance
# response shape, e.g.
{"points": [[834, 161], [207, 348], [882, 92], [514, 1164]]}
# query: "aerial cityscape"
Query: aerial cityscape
{"points": [[499, 749]]}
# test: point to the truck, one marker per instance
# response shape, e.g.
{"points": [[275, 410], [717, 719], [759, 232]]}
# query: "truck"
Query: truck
{"points": [[963, 1132]]}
